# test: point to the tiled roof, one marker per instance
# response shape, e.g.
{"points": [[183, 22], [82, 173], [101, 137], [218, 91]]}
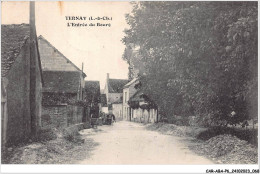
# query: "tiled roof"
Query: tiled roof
{"points": [[92, 89], [13, 38], [52, 59], [103, 100], [61, 81], [93, 85], [116, 85]]}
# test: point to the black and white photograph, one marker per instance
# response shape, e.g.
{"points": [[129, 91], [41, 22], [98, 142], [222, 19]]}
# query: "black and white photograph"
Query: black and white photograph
{"points": [[140, 83]]}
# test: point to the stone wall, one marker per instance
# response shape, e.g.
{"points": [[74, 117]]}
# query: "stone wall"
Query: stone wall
{"points": [[118, 111], [54, 116], [61, 116]]}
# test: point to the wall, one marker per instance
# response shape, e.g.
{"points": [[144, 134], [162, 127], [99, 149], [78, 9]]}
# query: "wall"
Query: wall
{"points": [[38, 87], [138, 115], [113, 97], [105, 110], [54, 117], [4, 116], [144, 116], [61, 116], [125, 104], [18, 101], [23, 91], [118, 111]]}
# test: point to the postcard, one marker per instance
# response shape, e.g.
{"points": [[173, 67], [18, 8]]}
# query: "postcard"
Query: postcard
{"points": [[116, 83]]}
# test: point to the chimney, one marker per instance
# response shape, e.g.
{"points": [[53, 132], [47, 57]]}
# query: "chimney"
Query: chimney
{"points": [[107, 76], [32, 13]]}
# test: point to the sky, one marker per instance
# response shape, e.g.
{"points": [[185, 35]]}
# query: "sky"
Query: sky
{"points": [[99, 48]]}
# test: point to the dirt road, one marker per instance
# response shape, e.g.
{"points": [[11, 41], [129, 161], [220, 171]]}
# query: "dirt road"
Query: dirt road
{"points": [[130, 143]]}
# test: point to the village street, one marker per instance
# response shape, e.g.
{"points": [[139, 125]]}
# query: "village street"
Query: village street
{"points": [[130, 143]]}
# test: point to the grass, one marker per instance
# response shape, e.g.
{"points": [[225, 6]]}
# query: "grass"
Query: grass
{"points": [[52, 146]]}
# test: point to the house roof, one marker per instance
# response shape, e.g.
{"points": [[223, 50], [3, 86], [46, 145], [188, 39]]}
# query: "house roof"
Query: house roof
{"points": [[13, 37], [116, 85], [44, 54], [103, 100], [61, 81], [131, 82]]}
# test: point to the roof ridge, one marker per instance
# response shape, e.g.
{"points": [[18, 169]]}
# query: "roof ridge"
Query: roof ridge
{"points": [[91, 81], [117, 79], [59, 71]]}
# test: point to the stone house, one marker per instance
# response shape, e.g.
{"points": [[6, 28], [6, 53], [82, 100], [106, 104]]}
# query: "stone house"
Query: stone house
{"points": [[64, 85], [128, 91], [142, 109], [21, 82], [113, 90], [117, 109]]}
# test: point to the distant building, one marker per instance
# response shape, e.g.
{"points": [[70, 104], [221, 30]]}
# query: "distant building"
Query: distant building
{"points": [[117, 109], [114, 90], [21, 82], [128, 91]]}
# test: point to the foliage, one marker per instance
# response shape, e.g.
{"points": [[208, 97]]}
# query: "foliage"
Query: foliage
{"points": [[149, 104], [196, 58]]}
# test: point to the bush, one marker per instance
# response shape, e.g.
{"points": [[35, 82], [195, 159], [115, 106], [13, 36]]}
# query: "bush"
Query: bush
{"points": [[72, 134], [249, 135], [178, 120]]}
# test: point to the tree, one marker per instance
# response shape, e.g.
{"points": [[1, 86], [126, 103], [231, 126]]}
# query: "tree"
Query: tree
{"points": [[196, 57]]}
